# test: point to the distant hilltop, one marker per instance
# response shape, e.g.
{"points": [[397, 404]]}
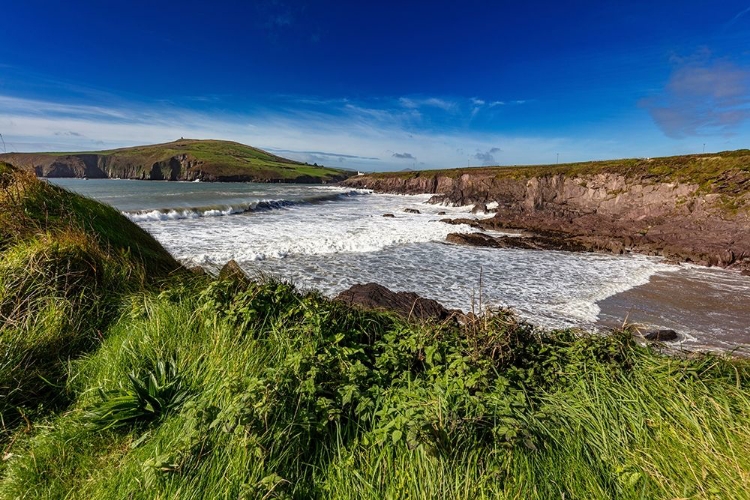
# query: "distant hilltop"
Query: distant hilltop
{"points": [[182, 160]]}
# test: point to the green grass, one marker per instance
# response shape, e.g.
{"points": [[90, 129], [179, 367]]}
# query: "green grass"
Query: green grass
{"points": [[65, 263], [208, 388]]}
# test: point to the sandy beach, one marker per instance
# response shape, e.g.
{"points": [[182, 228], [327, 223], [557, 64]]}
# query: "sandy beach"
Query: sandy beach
{"points": [[709, 309]]}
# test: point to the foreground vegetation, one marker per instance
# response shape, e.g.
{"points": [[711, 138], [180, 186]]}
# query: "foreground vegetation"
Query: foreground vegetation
{"points": [[124, 376]]}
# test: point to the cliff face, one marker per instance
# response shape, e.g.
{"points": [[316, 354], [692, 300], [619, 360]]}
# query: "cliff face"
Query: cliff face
{"points": [[183, 160], [605, 211], [183, 167]]}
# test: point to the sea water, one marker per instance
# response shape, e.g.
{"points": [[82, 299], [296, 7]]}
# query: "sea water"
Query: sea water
{"points": [[329, 238]]}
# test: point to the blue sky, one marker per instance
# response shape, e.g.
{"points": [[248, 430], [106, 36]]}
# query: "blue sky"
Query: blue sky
{"points": [[381, 85]]}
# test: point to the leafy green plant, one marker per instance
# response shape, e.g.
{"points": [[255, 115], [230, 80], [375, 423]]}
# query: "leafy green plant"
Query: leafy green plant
{"points": [[144, 399]]}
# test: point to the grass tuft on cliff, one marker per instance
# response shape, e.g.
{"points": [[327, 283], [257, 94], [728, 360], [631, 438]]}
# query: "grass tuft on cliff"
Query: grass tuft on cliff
{"points": [[65, 263], [229, 388]]}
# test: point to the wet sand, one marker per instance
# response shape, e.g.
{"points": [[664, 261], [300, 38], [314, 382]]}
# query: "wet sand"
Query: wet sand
{"points": [[709, 308]]}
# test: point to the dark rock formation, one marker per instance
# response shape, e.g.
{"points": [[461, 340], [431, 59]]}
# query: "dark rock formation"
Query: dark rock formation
{"points": [[411, 211], [406, 304], [610, 210], [233, 272], [479, 208], [531, 242], [661, 335], [473, 239], [389, 215], [199, 271]]}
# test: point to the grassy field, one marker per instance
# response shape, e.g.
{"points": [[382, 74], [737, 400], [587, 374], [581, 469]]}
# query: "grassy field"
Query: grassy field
{"points": [[220, 159], [125, 376], [727, 172]]}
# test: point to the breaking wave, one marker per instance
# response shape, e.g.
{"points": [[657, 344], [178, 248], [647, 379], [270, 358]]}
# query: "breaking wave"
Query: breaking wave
{"points": [[164, 214]]}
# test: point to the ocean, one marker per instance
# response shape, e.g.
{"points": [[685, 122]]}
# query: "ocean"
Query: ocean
{"points": [[328, 238]]}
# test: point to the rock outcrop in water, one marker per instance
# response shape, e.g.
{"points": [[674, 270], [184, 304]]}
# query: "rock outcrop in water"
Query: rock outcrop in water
{"points": [[530, 242], [406, 304], [688, 209], [661, 336]]}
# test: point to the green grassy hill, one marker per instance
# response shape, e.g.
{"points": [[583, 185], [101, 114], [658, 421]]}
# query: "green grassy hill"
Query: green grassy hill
{"points": [[185, 159], [124, 376]]}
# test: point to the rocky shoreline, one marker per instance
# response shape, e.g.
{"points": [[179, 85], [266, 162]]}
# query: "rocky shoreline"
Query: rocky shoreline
{"points": [[604, 212]]}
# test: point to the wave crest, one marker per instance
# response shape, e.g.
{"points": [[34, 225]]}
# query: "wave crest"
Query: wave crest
{"points": [[165, 214]]}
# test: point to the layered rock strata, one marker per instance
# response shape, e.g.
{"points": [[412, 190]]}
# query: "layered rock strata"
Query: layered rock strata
{"points": [[604, 211]]}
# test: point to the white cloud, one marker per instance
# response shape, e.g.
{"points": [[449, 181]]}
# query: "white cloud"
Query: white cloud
{"points": [[702, 98], [363, 137], [433, 102]]}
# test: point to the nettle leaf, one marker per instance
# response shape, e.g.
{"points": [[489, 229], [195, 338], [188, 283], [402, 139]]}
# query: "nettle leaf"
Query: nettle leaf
{"points": [[396, 436]]}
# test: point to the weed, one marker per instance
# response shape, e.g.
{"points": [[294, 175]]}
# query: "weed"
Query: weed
{"points": [[144, 398]]}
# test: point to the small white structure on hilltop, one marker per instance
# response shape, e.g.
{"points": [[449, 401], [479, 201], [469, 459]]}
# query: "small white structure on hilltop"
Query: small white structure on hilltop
{"points": [[360, 173]]}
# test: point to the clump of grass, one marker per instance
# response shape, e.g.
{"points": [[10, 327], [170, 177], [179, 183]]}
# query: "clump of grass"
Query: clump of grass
{"points": [[65, 263], [144, 398]]}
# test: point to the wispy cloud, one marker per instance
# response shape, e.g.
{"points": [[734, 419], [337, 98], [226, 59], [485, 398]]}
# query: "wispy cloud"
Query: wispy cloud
{"points": [[433, 102], [737, 17], [357, 135], [702, 98], [321, 156], [11, 104]]}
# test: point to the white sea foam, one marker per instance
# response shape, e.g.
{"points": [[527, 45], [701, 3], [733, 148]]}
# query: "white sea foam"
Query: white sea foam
{"points": [[554, 289], [334, 226], [331, 238], [340, 242], [162, 215], [239, 208]]}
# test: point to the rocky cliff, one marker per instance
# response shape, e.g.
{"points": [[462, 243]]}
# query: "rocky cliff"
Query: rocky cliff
{"points": [[183, 160], [96, 166], [695, 215]]}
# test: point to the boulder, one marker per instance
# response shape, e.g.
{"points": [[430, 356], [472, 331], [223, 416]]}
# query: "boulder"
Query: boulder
{"points": [[198, 271], [529, 242], [412, 211], [479, 208], [406, 304], [442, 212], [233, 272], [661, 335], [473, 239], [389, 215]]}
